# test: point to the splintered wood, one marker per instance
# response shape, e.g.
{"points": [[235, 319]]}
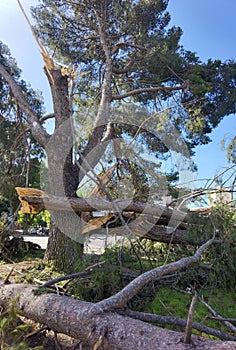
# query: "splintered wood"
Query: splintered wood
{"points": [[30, 208]]}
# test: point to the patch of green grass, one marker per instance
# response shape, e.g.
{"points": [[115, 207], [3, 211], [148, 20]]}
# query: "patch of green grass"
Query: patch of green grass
{"points": [[169, 302]]}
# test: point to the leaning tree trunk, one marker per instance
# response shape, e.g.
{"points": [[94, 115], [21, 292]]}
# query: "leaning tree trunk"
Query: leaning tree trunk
{"points": [[66, 176]]}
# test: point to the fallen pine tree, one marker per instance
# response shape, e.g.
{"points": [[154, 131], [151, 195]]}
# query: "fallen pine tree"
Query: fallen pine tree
{"points": [[107, 324]]}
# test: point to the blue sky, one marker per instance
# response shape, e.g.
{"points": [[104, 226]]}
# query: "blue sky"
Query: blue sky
{"points": [[209, 28]]}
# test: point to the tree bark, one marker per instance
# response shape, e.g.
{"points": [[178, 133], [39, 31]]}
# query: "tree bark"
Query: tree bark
{"points": [[63, 251], [47, 201], [112, 331], [63, 174], [149, 221]]}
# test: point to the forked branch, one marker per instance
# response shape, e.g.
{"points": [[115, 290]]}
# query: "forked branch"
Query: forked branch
{"points": [[119, 300]]}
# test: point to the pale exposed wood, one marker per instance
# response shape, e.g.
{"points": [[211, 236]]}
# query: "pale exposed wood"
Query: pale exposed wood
{"points": [[27, 208], [200, 209]]}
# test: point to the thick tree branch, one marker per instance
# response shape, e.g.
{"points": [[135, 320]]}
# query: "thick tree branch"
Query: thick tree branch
{"points": [[38, 132], [175, 321], [92, 153], [46, 117], [150, 89], [77, 319], [124, 45], [40, 200], [119, 300]]}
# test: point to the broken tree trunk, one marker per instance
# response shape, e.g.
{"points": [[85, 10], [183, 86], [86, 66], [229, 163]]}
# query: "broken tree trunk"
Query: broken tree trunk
{"points": [[106, 330]]}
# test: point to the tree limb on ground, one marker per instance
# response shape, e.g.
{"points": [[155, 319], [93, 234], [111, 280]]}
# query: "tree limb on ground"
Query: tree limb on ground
{"points": [[101, 323], [77, 319], [120, 299], [178, 322], [219, 317]]}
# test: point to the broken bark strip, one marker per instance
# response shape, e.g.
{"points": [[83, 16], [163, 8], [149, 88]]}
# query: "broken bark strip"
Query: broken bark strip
{"points": [[189, 325], [76, 319]]}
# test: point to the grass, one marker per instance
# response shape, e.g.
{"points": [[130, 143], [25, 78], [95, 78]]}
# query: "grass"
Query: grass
{"points": [[170, 302]]}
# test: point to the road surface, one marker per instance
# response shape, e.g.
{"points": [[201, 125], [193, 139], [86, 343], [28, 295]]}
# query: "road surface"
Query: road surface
{"points": [[42, 241], [96, 244]]}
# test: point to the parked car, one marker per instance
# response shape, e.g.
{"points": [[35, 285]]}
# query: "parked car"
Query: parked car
{"points": [[32, 230]]}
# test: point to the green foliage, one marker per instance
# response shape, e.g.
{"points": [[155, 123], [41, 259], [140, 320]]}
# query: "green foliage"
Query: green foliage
{"points": [[26, 220], [120, 266], [143, 52], [102, 283], [208, 100], [20, 154], [4, 205], [71, 31], [13, 330], [10, 327], [230, 146], [217, 269]]}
